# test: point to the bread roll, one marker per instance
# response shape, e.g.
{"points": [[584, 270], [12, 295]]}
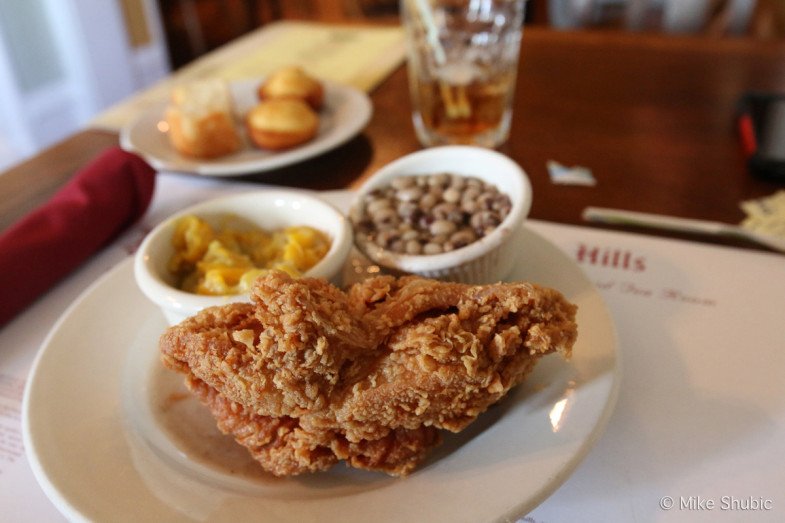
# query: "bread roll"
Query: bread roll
{"points": [[201, 120], [281, 123], [293, 82]]}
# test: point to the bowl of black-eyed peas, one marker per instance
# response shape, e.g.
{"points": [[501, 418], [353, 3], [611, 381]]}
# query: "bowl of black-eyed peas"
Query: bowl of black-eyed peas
{"points": [[446, 212]]}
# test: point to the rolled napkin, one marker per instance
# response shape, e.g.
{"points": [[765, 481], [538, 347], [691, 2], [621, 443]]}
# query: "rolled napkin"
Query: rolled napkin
{"points": [[98, 203]]}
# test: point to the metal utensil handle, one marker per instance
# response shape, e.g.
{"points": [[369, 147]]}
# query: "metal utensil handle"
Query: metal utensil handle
{"points": [[656, 221]]}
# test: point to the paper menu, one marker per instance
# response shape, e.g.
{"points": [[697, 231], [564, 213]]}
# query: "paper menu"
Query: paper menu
{"points": [[21, 497], [699, 430], [701, 412], [11, 449]]}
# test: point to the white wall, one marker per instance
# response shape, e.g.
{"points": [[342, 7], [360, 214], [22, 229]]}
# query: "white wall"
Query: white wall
{"points": [[63, 61]]}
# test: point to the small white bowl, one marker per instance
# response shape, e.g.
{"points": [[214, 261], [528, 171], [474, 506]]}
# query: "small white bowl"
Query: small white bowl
{"points": [[486, 260], [270, 210]]}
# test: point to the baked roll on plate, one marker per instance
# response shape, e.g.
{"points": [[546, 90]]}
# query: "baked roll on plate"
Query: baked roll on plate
{"points": [[281, 123], [344, 113], [293, 83], [201, 120]]}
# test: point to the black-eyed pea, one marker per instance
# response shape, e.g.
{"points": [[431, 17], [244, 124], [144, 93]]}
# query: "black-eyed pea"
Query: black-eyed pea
{"points": [[469, 205], [452, 195], [410, 194], [439, 238], [432, 248], [428, 201], [444, 210], [502, 204], [377, 205], [413, 247], [471, 181], [436, 191], [442, 227], [457, 182], [385, 239], [463, 238], [403, 182], [457, 216], [440, 179], [425, 221], [357, 214], [485, 201], [481, 221], [470, 192], [410, 235], [408, 210], [372, 195], [385, 218]]}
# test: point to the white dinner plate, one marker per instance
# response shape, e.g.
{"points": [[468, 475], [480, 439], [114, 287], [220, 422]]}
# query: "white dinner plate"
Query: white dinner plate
{"points": [[111, 437], [345, 113]]}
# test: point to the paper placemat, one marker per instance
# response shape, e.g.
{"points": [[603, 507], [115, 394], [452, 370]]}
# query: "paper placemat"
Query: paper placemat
{"points": [[358, 56]]}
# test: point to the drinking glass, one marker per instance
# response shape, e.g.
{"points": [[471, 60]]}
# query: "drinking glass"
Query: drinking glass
{"points": [[462, 63]]}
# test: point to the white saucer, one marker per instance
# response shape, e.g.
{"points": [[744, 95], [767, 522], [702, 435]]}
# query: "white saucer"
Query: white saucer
{"points": [[102, 449], [346, 112]]}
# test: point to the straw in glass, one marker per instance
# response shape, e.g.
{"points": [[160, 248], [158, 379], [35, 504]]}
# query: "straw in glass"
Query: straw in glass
{"points": [[457, 106]]}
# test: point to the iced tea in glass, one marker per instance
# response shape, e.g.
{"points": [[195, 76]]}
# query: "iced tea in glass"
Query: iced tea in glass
{"points": [[463, 59]]}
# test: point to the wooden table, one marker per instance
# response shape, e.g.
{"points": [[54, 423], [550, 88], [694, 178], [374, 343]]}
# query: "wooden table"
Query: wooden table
{"points": [[652, 117]]}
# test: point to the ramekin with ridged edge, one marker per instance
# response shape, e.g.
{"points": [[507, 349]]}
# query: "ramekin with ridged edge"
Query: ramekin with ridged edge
{"points": [[486, 260]]}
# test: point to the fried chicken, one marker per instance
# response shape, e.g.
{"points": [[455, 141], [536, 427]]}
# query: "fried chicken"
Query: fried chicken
{"points": [[308, 374]]}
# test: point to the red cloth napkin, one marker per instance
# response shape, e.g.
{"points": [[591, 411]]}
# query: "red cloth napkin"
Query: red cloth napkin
{"points": [[97, 204]]}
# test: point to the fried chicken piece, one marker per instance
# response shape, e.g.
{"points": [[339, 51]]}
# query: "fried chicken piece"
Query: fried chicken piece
{"points": [[309, 374], [285, 447]]}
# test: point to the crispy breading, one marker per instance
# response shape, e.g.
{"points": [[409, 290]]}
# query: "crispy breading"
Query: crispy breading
{"points": [[308, 374], [286, 446]]}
